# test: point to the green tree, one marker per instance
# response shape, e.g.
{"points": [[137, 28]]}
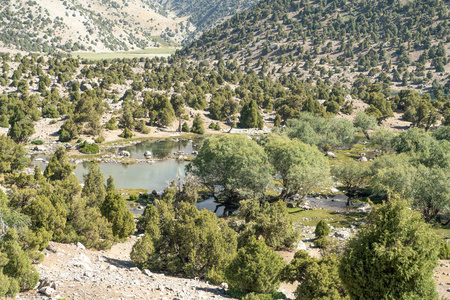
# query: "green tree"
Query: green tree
{"points": [[18, 266], [94, 186], [21, 125], [269, 220], [302, 167], [353, 176], [197, 125], [185, 127], [114, 208], [234, 162], [256, 268], [250, 116], [393, 257], [126, 134], [365, 123], [58, 167], [317, 278], [322, 229], [180, 239], [11, 155]]}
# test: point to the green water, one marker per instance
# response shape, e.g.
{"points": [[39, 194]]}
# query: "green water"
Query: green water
{"points": [[155, 176]]}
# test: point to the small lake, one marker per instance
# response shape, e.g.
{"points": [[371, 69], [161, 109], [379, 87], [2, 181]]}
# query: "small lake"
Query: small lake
{"points": [[151, 176]]}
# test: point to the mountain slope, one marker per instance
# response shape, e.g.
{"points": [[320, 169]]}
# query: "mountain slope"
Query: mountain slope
{"points": [[205, 14], [97, 25], [403, 43]]}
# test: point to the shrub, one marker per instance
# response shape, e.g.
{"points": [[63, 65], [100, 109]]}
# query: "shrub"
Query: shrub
{"points": [[37, 142], [87, 148], [126, 134], [256, 268], [100, 139], [322, 229], [111, 124], [185, 127], [444, 250]]}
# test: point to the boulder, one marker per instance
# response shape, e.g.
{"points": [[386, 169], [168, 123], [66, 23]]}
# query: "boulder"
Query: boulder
{"points": [[224, 286], [147, 272], [363, 158], [331, 154], [301, 246], [112, 267], [85, 86], [47, 291], [51, 248], [81, 246], [365, 208], [148, 154], [342, 234], [124, 153]]}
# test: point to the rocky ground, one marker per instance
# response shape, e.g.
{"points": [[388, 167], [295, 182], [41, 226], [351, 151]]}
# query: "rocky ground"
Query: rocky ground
{"points": [[73, 272]]}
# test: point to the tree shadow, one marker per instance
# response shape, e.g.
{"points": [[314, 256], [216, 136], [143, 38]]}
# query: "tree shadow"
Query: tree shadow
{"points": [[213, 290], [123, 264]]}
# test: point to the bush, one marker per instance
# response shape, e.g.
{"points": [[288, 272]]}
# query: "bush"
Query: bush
{"points": [[111, 124], [126, 134], [322, 242], [322, 229], [185, 127], [392, 257], [180, 239], [444, 250], [100, 139], [87, 148], [37, 142], [256, 268]]}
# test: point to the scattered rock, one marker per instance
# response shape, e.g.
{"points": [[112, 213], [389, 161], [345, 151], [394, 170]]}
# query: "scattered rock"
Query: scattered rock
{"points": [[124, 153], [47, 291], [81, 246], [224, 286], [331, 154], [51, 248], [301, 246]]}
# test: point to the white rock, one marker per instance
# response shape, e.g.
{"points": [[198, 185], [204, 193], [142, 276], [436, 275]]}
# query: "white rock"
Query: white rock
{"points": [[224, 286], [301, 246], [81, 246], [47, 291], [112, 267]]}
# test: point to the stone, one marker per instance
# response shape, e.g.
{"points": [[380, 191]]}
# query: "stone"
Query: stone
{"points": [[301, 246], [342, 234], [81, 246], [112, 267], [224, 286], [124, 153], [47, 291], [85, 86], [363, 159], [365, 208], [331, 154], [51, 248], [147, 272]]}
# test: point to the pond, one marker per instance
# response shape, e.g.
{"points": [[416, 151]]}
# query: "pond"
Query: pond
{"points": [[143, 175], [149, 176]]}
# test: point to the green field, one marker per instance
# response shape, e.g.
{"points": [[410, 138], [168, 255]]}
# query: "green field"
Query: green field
{"points": [[125, 54]]}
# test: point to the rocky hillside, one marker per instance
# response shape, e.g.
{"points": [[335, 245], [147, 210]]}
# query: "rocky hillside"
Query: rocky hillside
{"points": [[206, 14], [97, 25], [395, 43], [73, 272]]}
